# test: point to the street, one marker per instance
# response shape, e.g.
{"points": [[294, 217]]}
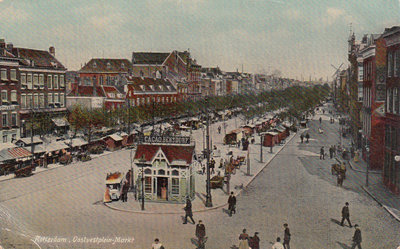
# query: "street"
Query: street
{"points": [[296, 188]]}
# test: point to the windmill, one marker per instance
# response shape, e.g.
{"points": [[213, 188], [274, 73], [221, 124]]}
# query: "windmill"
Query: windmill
{"points": [[335, 77]]}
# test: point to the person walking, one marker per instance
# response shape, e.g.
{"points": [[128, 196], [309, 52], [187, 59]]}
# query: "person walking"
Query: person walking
{"points": [[254, 242], [301, 138], [286, 237], [244, 240], [340, 179], [157, 244], [357, 238], [307, 137], [200, 233], [232, 204], [322, 154], [221, 163], [346, 214], [188, 211], [331, 152], [219, 129], [278, 244], [212, 166], [320, 120]]}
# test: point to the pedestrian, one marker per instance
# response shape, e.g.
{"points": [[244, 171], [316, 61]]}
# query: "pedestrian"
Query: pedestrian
{"points": [[340, 179], [188, 211], [203, 169], [221, 163], [320, 120], [238, 144], [200, 233], [212, 166], [244, 240], [254, 242], [301, 138], [343, 170], [278, 244], [286, 237], [232, 204], [331, 152], [346, 214], [322, 154], [356, 238], [157, 244], [323, 111], [307, 137], [352, 152], [219, 129]]}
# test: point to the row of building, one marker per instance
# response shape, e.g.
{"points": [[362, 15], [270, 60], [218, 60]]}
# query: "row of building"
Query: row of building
{"points": [[370, 89]]}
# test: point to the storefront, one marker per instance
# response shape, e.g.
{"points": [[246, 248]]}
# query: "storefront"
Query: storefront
{"points": [[166, 170]]}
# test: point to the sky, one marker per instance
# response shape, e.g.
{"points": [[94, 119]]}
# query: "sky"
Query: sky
{"points": [[300, 38]]}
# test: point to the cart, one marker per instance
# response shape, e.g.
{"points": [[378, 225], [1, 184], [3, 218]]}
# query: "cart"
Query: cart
{"points": [[338, 168], [217, 182], [23, 172]]}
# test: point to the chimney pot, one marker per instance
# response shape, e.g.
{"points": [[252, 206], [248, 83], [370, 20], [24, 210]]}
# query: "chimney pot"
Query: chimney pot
{"points": [[52, 51]]}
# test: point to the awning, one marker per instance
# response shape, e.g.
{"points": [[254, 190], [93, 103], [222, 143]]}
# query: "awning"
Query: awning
{"points": [[14, 153], [60, 122]]}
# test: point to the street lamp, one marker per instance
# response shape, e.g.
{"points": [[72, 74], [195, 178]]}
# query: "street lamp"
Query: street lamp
{"points": [[261, 146], [367, 174], [142, 161], [208, 187]]}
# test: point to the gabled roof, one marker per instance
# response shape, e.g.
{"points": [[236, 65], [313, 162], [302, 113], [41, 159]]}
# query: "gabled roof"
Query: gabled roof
{"points": [[40, 58], [86, 91], [14, 153], [172, 152], [107, 65], [149, 58], [139, 84], [108, 90]]}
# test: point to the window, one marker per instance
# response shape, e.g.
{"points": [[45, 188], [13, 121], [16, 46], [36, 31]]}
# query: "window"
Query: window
{"points": [[36, 100], [23, 81], [14, 119], [50, 99], [4, 74], [175, 173], [62, 82], [143, 101], [35, 80], [55, 81], [41, 81], [175, 186], [396, 63], [14, 96], [41, 100], [13, 137], [29, 101], [138, 102], [13, 74], [148, 100], [49, 82], [390, 100], [147, 184], [5, 119], [395, 101], [56, 98], [158, 99], [4, 138], [4, 97], [29, 81], [23, 101], [390, 64], [101, 80], [162, 100], [62, 99]]}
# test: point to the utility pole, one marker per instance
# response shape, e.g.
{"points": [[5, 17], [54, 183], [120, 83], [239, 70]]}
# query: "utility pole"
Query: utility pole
{"points": [[208, 196], [261, 147], [248, 160], [32, 146]]}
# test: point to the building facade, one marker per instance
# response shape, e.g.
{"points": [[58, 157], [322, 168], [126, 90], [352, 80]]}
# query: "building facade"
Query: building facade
{"points": [[167, 172], [391, 170]]}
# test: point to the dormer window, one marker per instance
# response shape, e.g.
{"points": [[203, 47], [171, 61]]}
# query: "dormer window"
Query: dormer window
{"points": [[53, 64], [152, 87], [142, 87], [122, 65], [94, 65], [108, 65]]}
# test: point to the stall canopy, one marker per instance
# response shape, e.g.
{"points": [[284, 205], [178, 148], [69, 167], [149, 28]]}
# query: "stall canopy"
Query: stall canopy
{"points": [[14, 153], [116, 137], [60, 122], [76, 142]]}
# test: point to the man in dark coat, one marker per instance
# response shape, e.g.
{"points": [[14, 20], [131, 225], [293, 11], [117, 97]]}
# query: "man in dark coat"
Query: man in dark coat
{"points": [[232, 204], [331, 152], [188, 211], [320, 120], [200, 233], [346, 214], [307, 137], [212, 166], [254, 242], [356, 238], [322, 153], [286, 236], [301, 138]]}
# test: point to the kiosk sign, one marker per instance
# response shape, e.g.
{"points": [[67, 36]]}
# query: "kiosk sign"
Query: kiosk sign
{"points": [[164, 140]]}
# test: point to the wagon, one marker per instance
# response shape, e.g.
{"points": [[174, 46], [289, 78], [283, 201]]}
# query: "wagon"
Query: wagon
{"points": [[26, 171], [65, 159], [217, 182]]}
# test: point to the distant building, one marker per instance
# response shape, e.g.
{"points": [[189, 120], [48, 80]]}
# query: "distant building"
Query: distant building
{"points": [[94, 97]]}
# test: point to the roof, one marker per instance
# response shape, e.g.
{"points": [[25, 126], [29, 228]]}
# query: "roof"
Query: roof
{"points": [[111, 92], [143, 84], [149, 57], [27, 140], [115, 137], [114, 178], [6, 146], [86, 91], [76, 142], [60, 122], [41, 58], [54, 146], [106, 65], [172, 152], [14, 153]]}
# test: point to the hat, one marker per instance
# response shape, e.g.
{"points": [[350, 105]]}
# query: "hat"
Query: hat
{"points": [[356, 225]]}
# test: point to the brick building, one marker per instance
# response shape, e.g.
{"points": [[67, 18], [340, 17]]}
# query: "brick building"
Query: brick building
{"points": [[93, 97], [391, 169]]}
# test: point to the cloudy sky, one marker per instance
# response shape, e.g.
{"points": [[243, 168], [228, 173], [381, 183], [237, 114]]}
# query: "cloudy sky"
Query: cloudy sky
{"points": [[298, 37]]}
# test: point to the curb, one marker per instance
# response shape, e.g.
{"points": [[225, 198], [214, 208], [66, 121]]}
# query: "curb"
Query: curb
{"points": [[380, 204], [212, 208]]}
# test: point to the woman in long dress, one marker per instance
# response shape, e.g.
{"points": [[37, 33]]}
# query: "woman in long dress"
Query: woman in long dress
{"points": [[244, 240]]}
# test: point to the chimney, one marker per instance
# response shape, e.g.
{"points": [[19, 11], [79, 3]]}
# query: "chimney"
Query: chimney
{"points": [[52, 51], [10, 47]]}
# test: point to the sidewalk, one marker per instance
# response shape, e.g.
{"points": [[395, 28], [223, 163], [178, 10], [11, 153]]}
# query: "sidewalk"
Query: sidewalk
{"points": [[238, 182]]}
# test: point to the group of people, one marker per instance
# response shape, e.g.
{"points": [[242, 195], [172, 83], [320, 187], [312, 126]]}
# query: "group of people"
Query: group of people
{"points": [[357, 239], [246, 242], [307, 137]]}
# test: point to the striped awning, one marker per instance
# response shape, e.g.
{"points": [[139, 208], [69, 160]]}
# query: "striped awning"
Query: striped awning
{"points": [[19, 152]]}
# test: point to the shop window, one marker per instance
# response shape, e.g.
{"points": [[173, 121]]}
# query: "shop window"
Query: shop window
{"points": [[175, 186], [147, 184]]}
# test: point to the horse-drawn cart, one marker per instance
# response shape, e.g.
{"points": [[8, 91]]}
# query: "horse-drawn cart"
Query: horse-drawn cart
{"points": [[25, 171]]}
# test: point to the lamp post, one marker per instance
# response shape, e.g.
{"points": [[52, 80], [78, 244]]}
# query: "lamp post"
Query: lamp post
{"points": [[208, 196], [367, 174], [397, 160], [142, 161], [261, 147]]}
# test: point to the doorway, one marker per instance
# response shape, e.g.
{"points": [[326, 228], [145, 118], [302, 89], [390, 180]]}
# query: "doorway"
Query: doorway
{"points": [[162, 188]]}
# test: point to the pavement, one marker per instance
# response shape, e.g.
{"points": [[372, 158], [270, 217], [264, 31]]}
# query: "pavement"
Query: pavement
{"points": [[238, 182]]}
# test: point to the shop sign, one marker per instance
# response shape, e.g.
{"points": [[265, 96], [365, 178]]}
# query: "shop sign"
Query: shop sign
{"points": [[164, 139]]}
